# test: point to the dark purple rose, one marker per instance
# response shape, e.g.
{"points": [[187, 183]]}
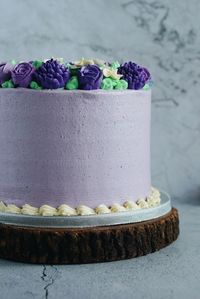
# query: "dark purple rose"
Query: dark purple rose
{"points": [[5, 72], [90, 77], [135, 75], [22, 74], [52, 75]]}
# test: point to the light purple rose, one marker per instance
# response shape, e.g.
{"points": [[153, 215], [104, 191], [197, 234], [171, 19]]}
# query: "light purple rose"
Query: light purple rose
{"points": [[5, 71], [22, 74]]}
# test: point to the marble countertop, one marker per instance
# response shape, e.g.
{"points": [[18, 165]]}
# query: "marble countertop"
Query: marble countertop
{"points": [[164, 36], [171, 273]]}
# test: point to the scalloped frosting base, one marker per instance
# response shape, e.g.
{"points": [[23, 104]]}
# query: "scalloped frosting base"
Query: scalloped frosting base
{"points": [[64, 210]]}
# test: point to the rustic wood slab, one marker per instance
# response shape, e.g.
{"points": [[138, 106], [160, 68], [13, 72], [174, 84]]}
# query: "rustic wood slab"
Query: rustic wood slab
{"points": [[87, 245]]}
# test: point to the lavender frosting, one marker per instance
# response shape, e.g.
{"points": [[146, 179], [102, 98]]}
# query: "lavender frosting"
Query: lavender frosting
{"points": [[75, 147]]}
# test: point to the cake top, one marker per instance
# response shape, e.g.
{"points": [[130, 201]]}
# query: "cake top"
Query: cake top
{"points": [[85, 74]]}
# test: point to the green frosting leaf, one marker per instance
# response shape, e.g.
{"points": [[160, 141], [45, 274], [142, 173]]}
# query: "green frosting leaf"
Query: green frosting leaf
{"points": [[115, 65], [146, 87], [34, 85], [121, 84], [13, 62], [73, 69], [114, 82], [37, 63], [107, 84], [72, 83], [8, 84]]}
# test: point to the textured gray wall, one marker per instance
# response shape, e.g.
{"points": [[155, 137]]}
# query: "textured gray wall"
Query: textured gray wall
{"points": [[162, 35]]}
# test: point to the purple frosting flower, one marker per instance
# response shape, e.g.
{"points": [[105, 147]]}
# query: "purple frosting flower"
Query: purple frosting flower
{"points": [[90, 77], [135, 75], [52, 75], [5, 72], [22, 74]]}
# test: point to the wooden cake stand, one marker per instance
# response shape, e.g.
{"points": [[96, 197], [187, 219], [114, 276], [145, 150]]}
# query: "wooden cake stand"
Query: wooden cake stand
{"points": [[88, 239]]}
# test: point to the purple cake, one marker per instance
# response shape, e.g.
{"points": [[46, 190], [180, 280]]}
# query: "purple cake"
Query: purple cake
{"points": [[75, 137]]}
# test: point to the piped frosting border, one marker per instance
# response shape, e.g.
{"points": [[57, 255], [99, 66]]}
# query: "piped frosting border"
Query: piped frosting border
{"points": [[152, 200]]}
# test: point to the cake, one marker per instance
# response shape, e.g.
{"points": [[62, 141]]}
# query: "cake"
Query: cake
{"points": [[75, 180], [69, 151]]}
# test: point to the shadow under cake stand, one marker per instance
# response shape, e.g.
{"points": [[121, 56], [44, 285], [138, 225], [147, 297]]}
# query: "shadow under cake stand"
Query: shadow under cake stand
{"points": [[88, 239]]}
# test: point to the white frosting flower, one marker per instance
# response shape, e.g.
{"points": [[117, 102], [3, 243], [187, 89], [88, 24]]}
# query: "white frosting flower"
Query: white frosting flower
{"points": [[99, 61], [84, 61], [111, 73]]}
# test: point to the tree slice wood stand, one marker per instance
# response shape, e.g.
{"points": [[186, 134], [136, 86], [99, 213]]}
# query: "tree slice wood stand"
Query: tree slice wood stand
{"points": [[87, 245]]}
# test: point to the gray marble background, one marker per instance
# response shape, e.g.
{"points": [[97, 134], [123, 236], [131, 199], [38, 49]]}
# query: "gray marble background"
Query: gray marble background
{"points": [[164, 36]]}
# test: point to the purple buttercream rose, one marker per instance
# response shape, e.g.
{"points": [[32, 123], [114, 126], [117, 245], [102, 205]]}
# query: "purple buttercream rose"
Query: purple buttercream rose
{"points": [[22, 74], [5, 72], [90, 77], [135, 75], [52, 75]]}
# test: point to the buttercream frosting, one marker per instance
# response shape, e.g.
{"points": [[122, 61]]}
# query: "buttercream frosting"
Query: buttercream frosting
{"points": [[151, 201], [73, 148]]}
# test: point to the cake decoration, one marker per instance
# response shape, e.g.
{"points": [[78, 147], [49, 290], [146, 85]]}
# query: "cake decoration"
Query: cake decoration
{"points": [[37, 63], [22, 74], [65, 210], [8, 84], [90, 77], [85, 74], [35, 85], [52, 75], [151, 201], [102, 209], [107, 84], [84, 62], [111, 72], [5, 72], [72, 83], [135, 75]]}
